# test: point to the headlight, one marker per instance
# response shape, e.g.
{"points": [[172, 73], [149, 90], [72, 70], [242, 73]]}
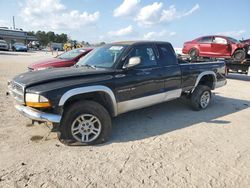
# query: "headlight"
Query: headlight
{"points": [[35, 100]]}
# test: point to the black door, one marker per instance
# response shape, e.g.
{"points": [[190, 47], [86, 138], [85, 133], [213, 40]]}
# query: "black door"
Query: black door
{"points": [[141, 85], [171, 71]]}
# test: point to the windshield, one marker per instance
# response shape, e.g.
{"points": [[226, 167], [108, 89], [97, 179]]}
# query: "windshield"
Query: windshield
{"points": [[71, 54], [233, 40], [104, 57], [3, 42]]}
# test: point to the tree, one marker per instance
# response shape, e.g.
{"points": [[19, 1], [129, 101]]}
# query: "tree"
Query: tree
{"points": [[51, 36], [31, 33], [45, 38], [42, 37]]}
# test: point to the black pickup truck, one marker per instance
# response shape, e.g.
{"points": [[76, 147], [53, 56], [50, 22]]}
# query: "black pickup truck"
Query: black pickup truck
{"points": [[111, 80]]}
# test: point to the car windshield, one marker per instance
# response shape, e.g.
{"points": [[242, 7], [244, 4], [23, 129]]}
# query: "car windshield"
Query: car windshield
{"points": [[103, 57], [233, 40], [3, 42], [71, 54]]}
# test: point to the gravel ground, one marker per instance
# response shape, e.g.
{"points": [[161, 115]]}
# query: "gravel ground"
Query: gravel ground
{"points": [[167, 145]]}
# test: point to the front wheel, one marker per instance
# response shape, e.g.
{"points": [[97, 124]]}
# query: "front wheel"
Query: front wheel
{"points": [[201, 97], [86, 123]]}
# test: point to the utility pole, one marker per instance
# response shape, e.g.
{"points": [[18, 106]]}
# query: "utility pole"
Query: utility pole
{"points": [[14, 27]]}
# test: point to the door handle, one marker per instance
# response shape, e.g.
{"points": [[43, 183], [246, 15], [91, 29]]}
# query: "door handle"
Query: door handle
{"points": [[120, 75]]}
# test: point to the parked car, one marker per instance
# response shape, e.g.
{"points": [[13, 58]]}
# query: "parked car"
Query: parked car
{"points": [[109, 81], [19, 47], [216, 47], [34, 45], [4, 45], [66, 59]]}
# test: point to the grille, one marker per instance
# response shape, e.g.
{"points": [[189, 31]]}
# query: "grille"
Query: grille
{"points": [[17, 91]]}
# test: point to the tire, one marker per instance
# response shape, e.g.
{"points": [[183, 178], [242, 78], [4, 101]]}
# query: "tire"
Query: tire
{"points": [[239, 55], [193, 53], [201, 97], [77, 128]]}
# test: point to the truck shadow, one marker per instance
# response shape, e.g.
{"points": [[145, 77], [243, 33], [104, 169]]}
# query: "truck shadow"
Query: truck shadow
{"points": [[241, 77], [170, 116]]}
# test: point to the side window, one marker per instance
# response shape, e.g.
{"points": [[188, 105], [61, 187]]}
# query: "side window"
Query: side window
{"points": [[147, 55], [219, 40], [167, 55], [205, 40]]}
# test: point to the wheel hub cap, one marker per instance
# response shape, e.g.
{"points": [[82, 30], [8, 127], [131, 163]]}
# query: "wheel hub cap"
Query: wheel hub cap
{"points": [[205, 99], [86, 128]]}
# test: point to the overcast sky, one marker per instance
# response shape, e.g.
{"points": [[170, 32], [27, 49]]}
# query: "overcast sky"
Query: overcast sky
{"points": [[114, 20]]}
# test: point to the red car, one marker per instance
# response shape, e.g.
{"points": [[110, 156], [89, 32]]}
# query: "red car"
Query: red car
{"points": [[66, 59], [216, 47]]}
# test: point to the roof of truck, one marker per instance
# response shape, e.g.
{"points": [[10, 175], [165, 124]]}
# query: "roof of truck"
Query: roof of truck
{"points": [[138, 42]]}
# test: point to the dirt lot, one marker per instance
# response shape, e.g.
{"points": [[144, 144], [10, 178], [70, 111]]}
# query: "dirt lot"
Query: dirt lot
{"points": [[167, 145]]}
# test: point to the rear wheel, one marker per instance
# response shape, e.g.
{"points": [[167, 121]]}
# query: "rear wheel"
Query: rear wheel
{"points": [[193, 53], [85, 123], [239, 55], [201, 97]]}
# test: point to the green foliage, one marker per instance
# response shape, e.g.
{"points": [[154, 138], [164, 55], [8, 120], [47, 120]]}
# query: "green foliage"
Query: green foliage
{"points": [[46, 37]]}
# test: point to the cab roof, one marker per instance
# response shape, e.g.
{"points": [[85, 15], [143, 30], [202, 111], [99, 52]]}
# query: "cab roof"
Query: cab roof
{"points": [[138, 42]]}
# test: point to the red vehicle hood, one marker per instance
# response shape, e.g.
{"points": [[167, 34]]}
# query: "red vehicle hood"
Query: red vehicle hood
{"points": [[51, 62]]}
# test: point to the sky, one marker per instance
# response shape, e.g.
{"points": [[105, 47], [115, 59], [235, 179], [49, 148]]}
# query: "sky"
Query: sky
{"points": [[118, 20]]}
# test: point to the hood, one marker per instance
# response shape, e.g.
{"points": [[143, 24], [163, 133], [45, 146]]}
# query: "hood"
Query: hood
{"points": [[46, 62], [48, 75]]}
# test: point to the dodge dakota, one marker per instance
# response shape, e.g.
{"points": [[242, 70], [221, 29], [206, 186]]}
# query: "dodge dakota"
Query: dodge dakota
{"points": [[113, 79]]}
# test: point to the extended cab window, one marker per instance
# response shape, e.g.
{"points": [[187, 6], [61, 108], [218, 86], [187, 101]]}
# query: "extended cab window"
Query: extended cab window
{"points": [[167, 55], [147, 55], [205, 40]]}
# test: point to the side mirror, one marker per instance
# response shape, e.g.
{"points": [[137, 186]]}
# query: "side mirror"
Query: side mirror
{"points": [[133, 61]]}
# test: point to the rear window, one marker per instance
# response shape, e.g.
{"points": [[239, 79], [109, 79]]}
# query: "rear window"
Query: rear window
{"points": [[167, 55]]}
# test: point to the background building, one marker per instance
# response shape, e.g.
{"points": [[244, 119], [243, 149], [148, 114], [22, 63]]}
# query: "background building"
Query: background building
{"points": [[11, 36]]}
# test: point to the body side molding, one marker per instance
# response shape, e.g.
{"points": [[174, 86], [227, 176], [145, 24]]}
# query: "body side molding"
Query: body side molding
{"points": [[89, 89], [126, 106]]}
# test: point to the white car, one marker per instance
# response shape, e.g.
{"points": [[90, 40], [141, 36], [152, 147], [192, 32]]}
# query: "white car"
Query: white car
{"points": [[4, 45]]}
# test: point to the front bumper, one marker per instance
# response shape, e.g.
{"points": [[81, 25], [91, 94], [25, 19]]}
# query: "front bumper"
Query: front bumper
{"points": [[38, 115]]}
